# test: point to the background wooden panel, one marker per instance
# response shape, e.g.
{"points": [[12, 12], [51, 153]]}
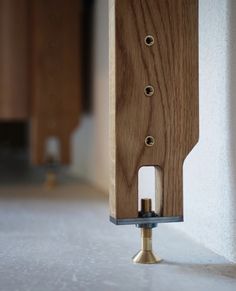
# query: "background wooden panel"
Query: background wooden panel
{"points": [[14, 60], [170, 115], [55, 74]]}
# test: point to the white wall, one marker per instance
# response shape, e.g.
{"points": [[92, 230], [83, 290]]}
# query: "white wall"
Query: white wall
{"points": [[210, 170], [90, 141], [101, 95], [82, 149]]}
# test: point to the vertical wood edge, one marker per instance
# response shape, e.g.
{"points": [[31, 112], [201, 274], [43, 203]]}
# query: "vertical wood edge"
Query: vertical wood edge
{"points": [[112, 98]]}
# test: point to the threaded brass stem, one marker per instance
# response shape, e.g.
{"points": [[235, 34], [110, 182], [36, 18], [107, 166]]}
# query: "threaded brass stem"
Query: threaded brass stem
{"points": [[146, 239]]}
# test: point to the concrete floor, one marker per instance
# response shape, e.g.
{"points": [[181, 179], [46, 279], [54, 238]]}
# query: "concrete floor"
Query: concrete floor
{"points": [[62, 240]]}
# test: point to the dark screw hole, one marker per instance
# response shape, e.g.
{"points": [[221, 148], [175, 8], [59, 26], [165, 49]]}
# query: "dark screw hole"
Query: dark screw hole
{"points": [[149, 91], [149, 40], [149, 141]]}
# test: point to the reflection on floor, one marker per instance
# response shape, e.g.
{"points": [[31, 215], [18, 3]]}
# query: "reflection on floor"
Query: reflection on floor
{"points": [[62, 240]]}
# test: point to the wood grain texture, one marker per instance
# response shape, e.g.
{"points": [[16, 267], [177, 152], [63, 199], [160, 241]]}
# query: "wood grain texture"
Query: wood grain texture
{"points": [[170, 115], [55, 75], [14, 53]]}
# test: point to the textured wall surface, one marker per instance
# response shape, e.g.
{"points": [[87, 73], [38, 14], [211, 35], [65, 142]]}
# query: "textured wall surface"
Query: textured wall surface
{"points": [[91, 146], [210, 170]]}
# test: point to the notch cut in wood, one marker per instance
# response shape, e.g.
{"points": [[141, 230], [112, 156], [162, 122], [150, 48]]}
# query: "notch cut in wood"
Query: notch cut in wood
{"points": [[152, 43]]}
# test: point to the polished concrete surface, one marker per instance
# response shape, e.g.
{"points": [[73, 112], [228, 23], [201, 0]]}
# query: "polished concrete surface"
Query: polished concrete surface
{"points": [[62, 240]]}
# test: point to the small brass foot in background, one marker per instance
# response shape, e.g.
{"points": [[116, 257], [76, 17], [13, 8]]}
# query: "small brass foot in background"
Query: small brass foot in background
{"points": [[51, 173], [51, 180], [146, 255]]}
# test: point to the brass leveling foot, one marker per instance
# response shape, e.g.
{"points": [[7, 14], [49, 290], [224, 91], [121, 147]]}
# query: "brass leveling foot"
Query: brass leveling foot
{"points": [[146, 255], [51, 173], [51, 180]]}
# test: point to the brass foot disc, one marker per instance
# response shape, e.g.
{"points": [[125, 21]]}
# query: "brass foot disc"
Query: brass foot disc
{"points": [[146, 257]]}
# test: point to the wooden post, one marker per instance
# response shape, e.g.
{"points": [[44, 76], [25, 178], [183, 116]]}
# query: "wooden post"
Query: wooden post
{"points": [[14, 51], [153, 98], [55, 75]]}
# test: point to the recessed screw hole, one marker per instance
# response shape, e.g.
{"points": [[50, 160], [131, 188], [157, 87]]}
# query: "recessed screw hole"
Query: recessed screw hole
{"points": [[149, 141], [149, 91], [149, 40]]}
